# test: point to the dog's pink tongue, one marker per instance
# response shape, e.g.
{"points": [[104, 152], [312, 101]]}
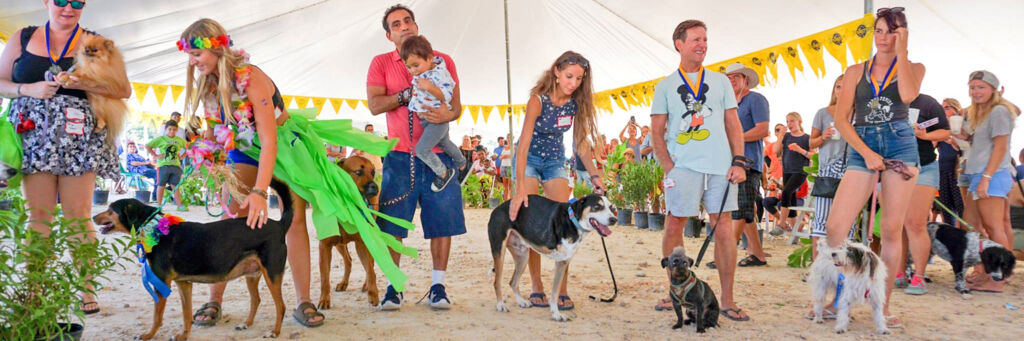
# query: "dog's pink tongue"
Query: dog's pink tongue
{"points": [[603, 230]]}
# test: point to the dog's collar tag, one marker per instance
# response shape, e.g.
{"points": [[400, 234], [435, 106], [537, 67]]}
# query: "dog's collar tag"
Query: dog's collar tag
{"points": [[572, 218], [150, 281]]}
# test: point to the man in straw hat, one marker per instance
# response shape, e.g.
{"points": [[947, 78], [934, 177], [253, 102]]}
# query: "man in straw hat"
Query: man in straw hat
{"points": [[752, 109]]}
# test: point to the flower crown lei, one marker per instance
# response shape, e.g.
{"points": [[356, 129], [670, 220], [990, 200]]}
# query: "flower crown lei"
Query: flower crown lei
{"points": [[204, 42]]}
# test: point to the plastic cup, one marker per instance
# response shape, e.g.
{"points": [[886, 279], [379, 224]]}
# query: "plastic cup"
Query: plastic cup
{"points": [[956, 123], [912, 115], [835, 132]]}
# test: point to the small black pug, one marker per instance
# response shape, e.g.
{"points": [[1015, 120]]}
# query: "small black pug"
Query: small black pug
{"points": [[688, 291]]}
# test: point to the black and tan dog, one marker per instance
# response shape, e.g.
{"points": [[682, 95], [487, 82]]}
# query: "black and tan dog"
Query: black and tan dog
{"points": [[362, 172], [687, 291], [553, 229], [210, 253]]}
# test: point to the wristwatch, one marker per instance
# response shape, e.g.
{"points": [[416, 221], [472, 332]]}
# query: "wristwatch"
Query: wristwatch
{"points": [[404, 96]]}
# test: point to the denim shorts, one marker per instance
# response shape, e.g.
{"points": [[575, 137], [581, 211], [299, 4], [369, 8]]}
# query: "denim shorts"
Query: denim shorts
{"points": [[893, 140], [998, 186], [929, 175], [545, 169], [441, 213]]}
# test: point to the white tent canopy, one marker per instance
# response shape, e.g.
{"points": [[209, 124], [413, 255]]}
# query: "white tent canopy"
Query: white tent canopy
{"points": [[323, 48]]}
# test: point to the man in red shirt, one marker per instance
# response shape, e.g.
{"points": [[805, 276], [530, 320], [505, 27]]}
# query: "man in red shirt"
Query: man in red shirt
{"points": [[406, 179]]}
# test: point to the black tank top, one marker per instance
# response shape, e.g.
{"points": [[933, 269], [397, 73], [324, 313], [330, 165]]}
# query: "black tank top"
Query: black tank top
{"points": [[888, 107], [30, 68]]}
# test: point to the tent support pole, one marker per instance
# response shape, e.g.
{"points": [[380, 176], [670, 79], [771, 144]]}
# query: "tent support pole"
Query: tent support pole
{"points": [[508, 93]]}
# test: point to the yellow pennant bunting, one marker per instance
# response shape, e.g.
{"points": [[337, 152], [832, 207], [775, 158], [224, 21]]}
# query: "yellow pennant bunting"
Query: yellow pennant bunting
{"points": [[485, 110], [618, 100], [835, 43], [336, 103], [302, 101], [352, 103], [140, 90], [791, 55], [161, 92], [519, 109], [503, 110], [287, 100], [772, 63], [859, 38], [176, 91], [318, 102], [474, 112], [813, 49], [365, 103]]}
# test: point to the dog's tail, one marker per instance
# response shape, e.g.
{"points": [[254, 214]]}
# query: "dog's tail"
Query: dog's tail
{"points": [[285, 196]]}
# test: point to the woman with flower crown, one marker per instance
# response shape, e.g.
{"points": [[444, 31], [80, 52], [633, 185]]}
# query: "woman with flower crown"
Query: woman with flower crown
{"points": [[245, 113]]}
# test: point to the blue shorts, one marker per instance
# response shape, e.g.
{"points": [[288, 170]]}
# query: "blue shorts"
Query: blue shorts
{"points": [[237, 156], [441, 212], [893, 140], [545, 169], [929, 175], [998, 186]]}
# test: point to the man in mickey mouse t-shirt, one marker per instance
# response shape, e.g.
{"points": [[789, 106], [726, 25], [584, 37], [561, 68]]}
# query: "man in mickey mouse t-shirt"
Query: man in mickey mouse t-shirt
{"points": [[698, 140]]}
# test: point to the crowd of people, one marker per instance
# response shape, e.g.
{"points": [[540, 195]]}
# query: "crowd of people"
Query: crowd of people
{"points": [[708, 131]]}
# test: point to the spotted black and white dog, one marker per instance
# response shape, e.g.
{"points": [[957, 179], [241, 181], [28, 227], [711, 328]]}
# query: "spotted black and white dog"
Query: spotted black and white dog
{"points": [[863, 281], [963, 249], [553, 229]]}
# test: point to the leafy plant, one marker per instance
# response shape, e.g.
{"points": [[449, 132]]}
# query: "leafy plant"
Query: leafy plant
{"points": [[812, 169], [801, 257], [472, 196], [580, 189], [101, 184], [635, 188], [497, 191], [42, 276], [192, 190]]}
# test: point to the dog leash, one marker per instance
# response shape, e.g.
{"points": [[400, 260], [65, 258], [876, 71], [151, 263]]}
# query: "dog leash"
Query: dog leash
{"points": [[944, 208], [614, 284], [703, 248]]}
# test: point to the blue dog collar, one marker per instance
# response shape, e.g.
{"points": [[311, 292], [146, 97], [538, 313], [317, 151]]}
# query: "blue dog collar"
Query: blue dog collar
{"points": [[152, 283], [572, 216]]}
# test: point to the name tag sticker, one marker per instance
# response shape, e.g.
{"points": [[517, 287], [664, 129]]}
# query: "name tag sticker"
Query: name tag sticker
{"points": [[74, 128], [564, 121], [74, 114]]}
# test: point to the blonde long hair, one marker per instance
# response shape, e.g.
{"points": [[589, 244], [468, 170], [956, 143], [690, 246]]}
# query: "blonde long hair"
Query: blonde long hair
{"points": [[978, 112], [227, 62], [835, 94], [586, 117], [953, 102]]}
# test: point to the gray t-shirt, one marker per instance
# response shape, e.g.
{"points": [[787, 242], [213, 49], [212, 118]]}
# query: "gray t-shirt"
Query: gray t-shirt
{"points": [[998, 123], [830, 150], [696, 137]]}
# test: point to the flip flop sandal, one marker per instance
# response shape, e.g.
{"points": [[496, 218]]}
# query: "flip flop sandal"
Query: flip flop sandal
{"points": [[663, 305], [569, 306], [893, 323], [90, 311], [303, 317], [751, 260], [725, 312], [825, 315], [542, 297], [204, 311]]}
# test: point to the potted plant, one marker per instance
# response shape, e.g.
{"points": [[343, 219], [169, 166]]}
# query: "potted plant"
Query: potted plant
{"points": [[472, 197], [497, 194], [8, 197], [580, 189], [614, 194], [101, 192], [42, 276], [656, 218], [635, 190]]}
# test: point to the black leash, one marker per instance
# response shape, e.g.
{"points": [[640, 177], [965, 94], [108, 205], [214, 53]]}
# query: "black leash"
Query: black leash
{"points": [[614, 284], [714, 225]]}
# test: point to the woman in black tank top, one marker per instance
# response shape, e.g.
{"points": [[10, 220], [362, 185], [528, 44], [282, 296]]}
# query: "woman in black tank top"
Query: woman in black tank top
{"points": [[883, 88], [55, 122]]}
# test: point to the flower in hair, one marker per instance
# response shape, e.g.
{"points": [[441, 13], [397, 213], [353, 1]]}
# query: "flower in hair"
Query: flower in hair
{"points": [[204, 42]]}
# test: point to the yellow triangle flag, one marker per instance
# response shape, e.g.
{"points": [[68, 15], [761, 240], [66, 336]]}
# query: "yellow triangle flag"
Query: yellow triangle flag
{"points": [[618, 100], [519, 109], [318, 102], [791, 56], [365, 103], [504, 110], [474, 112], [756, 61], [302, 101], [176, 91], [860, 36], [813, 47], [772, 64], [835, 43], [486, 111], [336, 103], [140, 90], [352, 103], [160, 91], [287, 100]]}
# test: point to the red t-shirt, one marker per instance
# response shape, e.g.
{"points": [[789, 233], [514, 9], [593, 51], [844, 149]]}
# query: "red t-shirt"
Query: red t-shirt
{"points": [[387, 70]]}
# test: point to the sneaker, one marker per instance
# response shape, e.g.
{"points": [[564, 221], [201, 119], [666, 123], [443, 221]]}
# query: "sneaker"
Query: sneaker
{"points": [[916, 287], [392, 299], [440, 182], [437, 298], [901, 281]]}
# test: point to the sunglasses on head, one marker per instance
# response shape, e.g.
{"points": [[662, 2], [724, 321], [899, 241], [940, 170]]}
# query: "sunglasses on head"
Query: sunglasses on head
{"points": [[75, 4], [977, 75], [574, 60], [889, 10]]}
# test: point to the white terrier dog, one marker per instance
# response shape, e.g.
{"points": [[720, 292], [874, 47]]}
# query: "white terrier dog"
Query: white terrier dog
{"points": [[864, 282]]}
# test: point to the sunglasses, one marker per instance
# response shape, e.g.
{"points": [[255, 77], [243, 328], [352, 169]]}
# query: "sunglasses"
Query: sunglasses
{"points": [[889, 10], [574, 60], [75, 4], [948, 108]]}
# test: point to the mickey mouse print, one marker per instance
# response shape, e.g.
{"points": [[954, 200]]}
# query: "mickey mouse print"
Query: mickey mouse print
{"points": [[692, 127]]}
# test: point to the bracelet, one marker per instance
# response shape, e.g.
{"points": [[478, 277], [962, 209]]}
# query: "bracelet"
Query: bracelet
{"points": [[262, 193], [17, 92], [986, 176]]}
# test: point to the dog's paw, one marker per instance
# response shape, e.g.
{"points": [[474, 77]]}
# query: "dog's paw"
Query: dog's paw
{"points": [[341, 286], [840, 330], [818, 319], [325, 303], [502, 307], [687, 322], [884, 331], [179, 337], [557, 316], [966, 295], [373, 297], [677, 325], [523, 303], [241, 326], [270, 335], [701, 330]]}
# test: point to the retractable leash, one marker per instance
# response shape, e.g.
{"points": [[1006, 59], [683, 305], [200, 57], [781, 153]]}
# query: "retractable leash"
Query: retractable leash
{"points": [[744, 163]]}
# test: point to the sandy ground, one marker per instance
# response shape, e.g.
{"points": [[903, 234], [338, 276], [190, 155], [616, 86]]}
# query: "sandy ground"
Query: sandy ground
{"points": [[773, 296]]}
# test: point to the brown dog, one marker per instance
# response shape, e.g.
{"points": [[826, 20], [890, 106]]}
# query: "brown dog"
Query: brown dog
{"points": [[99, 64], [362, 172]]}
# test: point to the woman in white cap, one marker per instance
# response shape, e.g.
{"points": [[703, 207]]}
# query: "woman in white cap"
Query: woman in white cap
{"points": [[990, 118]]}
